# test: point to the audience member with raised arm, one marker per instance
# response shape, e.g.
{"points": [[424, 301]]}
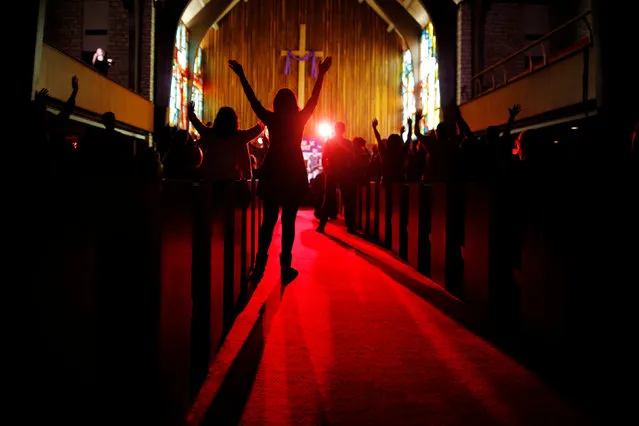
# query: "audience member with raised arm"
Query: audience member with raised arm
{"points": [[226, 155], [283, 179]]}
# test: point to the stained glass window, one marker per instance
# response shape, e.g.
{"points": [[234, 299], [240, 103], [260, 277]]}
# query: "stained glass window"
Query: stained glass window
{"points": [[179, 79], [197, 90], [408, 90], [429, 79]]}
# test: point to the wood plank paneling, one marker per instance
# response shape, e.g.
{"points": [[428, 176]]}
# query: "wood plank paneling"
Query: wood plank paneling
{"points": [[363, 83]]}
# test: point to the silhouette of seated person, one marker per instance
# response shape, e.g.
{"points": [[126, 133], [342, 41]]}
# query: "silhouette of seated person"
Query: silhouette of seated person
{"points": [[226, 155], [48, 140], [183, 157], [106, 152]]}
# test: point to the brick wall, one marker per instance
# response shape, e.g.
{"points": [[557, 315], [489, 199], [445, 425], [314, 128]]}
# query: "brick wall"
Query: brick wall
{"points": [[118, 48], [64, 30], [504, 34], [147, 50], [63, 26], [464, 52]]}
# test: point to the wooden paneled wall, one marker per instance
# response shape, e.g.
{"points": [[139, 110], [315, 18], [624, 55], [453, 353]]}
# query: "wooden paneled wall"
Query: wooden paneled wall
{"points": [[363, 83]]}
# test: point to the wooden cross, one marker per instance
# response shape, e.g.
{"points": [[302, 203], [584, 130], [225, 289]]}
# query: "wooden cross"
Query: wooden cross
{"points": [[302, 70]]}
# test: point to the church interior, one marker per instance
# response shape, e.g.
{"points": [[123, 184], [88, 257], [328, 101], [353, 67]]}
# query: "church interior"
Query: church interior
{"points": [[463, 242]]}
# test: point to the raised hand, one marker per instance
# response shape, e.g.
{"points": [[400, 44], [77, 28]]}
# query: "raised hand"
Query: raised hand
{"points": [[325, 65], [402, 130], [418, 115], [410, 121], [375, 123], [191, 107], [42, 94], [516, 109], [236, 67], [74, 83]]}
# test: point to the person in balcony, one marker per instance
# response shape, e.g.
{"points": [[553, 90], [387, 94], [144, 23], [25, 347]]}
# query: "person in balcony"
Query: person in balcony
{"points": [[101, 61]]}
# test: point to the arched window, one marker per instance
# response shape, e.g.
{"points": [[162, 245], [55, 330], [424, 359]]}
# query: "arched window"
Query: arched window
{"points": [[197, 90], [180, 79], [429, 79], [408, 90]]}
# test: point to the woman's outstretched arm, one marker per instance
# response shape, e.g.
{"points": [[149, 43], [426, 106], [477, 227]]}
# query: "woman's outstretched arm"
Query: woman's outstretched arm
{"points": [[261, 112], [248, 135], [324, 66], [201, 128]]}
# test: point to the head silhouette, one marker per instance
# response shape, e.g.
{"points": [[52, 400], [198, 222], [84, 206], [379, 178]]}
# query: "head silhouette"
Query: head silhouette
{"points": [[181, 138], [446, 130], [359, 142], [340, 129], [492, 134], [108, 120], [285, 102], [226, 122], [394, 142]]}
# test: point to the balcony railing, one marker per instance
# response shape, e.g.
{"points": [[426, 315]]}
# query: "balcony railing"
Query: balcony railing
{"points": [[501, 73], [558, 84], [98, 94]]}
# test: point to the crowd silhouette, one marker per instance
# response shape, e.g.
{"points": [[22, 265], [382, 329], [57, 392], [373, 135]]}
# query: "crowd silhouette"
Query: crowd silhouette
{"points": [[222, 152]]}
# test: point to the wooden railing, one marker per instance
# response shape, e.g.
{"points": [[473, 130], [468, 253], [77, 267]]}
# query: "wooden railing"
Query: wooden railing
{"points": [[98, 94], [490, 73]]}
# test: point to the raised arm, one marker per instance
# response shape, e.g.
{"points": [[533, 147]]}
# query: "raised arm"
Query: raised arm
{"points": [[199, 126], [69, 106], [261, 112], [378, 137], [324, 66], [512, 114], [248, 135], [464, 128], [418, 121], [410, 131]]}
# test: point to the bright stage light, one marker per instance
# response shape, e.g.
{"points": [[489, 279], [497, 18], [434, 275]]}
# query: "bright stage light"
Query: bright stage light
{"points": [[260, 141], [325, 130]]}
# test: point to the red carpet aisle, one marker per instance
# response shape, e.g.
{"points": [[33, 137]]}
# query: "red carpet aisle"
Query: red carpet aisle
{"points": [[351, 346]]}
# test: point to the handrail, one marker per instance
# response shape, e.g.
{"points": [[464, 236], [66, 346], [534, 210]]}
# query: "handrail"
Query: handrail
{"points": [[539, 41]]}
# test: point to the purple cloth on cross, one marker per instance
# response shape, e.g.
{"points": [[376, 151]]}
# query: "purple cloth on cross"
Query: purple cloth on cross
{"points": [[309, 55]]}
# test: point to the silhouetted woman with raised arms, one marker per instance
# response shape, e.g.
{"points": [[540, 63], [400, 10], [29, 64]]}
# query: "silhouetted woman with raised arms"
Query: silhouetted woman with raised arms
{"points": [[283, 178]]}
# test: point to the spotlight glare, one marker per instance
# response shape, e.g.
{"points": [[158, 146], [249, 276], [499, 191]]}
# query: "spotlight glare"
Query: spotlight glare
{"points": [[325, 130]]}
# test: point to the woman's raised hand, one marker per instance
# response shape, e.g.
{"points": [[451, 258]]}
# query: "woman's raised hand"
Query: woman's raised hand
{"points": [[325, 65], [236, 67]]}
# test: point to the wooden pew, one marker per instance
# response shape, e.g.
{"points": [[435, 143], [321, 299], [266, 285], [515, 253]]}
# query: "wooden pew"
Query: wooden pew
{"points": [[418, 227]]}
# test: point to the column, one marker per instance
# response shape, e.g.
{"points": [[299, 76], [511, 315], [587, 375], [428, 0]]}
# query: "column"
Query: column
{"points": [[617, 83]]}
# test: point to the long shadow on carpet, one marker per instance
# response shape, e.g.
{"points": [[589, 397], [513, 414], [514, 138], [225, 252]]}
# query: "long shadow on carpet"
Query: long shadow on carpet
{"points": [[231, 399]]}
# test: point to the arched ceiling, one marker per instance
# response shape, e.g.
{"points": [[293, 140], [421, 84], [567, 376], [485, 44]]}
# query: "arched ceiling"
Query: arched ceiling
{"points": [[406, 17], [401, 15]]}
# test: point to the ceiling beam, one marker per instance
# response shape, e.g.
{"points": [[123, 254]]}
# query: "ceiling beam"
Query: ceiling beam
{"points": [[205, 19]]}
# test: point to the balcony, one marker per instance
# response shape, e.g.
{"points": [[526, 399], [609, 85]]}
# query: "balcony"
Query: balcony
{"points": [[559, 86], [97, 94]]}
